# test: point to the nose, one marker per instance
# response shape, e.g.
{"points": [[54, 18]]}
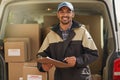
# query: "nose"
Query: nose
{"points": [[65, 13]]}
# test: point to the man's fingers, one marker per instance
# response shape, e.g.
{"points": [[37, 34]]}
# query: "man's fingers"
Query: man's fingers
{"points": [[46, 67], [70, 60]]}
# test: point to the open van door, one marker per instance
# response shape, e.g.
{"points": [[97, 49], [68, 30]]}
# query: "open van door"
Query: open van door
{"points": [[117, 14], [112, 69], [116, 66]]}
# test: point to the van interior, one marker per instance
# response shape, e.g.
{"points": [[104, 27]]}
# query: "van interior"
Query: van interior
{"points": [[33, 21]]}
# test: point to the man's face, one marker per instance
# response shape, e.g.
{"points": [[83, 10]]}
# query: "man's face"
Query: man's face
{"points": [[65, 15]]}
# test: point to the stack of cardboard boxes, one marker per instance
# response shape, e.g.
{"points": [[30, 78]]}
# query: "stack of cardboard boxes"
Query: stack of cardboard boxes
{"points": [[21, 44]]}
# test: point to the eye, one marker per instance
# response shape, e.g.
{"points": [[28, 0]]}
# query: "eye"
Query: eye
{"points": [[68, 11], [61, 12]]}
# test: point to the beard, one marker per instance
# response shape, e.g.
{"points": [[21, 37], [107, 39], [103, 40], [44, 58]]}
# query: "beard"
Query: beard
{"points": [[65, 23]]}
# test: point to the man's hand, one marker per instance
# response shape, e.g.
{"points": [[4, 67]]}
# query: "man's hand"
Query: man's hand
{"points": [[46, 67], [71, 60]]}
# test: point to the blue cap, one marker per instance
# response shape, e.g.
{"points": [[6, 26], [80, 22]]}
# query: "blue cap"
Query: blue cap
{"points": [[65, 4]]}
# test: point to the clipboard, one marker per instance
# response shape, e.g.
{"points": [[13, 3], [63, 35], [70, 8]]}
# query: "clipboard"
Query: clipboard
{"points": [[56, 63]]}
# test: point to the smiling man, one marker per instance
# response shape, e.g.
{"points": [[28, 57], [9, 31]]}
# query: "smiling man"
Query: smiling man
{"points": [[69, 42]]}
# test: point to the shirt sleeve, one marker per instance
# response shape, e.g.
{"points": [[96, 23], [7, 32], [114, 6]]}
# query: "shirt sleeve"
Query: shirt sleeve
{"points": [[43, 51], [89, 53]]}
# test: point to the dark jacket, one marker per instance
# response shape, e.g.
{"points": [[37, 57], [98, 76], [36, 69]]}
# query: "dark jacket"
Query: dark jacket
{"points": [[79, 44]]}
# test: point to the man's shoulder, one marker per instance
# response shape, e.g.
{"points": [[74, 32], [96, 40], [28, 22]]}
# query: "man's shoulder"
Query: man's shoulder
{"points": [[82, 27]]}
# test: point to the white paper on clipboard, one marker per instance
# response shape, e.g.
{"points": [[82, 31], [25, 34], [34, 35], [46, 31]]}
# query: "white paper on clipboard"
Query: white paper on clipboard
{"points": [[54, 62]]}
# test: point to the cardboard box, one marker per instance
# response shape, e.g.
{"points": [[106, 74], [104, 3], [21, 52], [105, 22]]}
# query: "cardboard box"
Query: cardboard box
{"points": [[15, 51], [32, 63], [30, 72], [31, 31], [50, 20], [15, 71], [26, 40]]}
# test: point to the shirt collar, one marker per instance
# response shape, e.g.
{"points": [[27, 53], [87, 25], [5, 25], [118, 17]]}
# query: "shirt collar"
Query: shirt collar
{"points": [[65, 30]]}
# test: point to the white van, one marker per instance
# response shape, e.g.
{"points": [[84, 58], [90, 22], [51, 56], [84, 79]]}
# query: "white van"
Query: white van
{"points": [[25, 23]]}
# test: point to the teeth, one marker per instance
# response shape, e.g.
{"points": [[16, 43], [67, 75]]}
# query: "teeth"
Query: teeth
{"points": [[65, 18]]}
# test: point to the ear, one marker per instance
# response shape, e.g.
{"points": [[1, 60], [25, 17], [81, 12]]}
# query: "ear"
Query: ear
{"points": [[73, 14]]}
